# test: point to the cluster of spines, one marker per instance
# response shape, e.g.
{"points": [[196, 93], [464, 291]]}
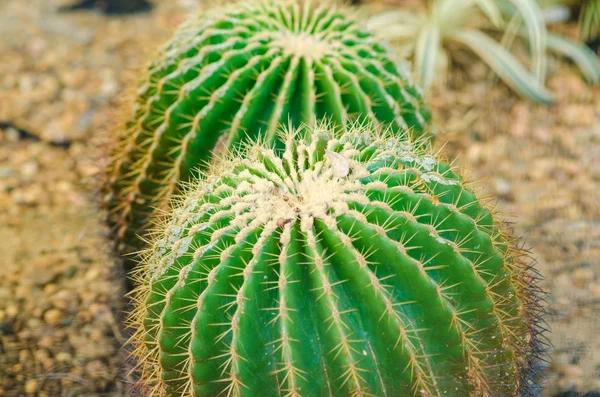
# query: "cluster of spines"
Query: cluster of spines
{"points": [[227, 77], [386, 208]]}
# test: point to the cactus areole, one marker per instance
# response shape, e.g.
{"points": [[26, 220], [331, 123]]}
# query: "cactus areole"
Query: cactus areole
{"points": [[356, 264], [234, 73]]}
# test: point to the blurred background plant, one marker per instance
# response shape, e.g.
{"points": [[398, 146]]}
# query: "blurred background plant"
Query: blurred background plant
{"points": [[589, 21], [587, 11], [430, 33]]}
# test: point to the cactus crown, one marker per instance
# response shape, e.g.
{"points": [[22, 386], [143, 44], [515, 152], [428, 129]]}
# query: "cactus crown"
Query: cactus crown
{"points": [[355, 263], [239, 71]]}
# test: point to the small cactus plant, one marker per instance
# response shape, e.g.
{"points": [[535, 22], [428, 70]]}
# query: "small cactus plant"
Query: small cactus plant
{"points": [[236, 72], [355, 264]]}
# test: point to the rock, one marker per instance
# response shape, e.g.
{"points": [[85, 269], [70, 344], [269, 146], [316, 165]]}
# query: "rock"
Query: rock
{"points": [[92, 274], [46, 342], [6, 172], [41, 277], [28, 195], [62, 130], [24, 356], [73, 77], [64, 299], [574, 115], [50, 289], [97, 335], [33, 323], [42, 356], [52, 317], [63, 357], [502, 187], [573, 373], [520, 115], [31, 386], [96, 369], [12, 311], [582, 277], [110, 86]]}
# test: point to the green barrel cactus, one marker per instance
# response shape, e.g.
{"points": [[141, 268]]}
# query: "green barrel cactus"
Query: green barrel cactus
{"points": [[240, 71], [355, 264]]}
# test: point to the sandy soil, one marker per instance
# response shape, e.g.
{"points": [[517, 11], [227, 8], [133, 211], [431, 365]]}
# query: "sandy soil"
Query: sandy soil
{"points": [[61, 76]]}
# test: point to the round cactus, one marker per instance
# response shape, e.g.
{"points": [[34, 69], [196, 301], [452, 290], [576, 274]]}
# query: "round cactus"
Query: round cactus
{"points": [[239, 71], [356, 264]]}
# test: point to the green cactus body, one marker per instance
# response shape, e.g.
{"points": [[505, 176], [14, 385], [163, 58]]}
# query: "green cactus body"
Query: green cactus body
{"points": [[355, 264], [240, 71]]}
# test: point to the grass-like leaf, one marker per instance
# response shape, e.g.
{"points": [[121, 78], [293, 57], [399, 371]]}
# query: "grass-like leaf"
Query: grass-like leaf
{"points": [[503, 63], [586, 60], [424, 34], [387, 19], [537, 35], [589, 20], [426, 52], [491, 11]]}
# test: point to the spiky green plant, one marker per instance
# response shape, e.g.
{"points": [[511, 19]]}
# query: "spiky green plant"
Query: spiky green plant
{"points": [[580, 54], [235, 72], [589, 19], [589, 15], [430, 35], [356, 264]]}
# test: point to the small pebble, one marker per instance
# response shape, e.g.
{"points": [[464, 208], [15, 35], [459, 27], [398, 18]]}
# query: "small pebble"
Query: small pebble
{"points": [[582, 277], [63, 357], [31, 386], [52, 316]]}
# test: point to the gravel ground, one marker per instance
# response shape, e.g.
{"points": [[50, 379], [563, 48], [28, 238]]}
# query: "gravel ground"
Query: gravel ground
{"points": [[61, 78]]}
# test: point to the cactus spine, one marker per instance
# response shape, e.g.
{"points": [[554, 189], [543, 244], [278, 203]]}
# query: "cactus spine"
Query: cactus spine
{"points": [[236, 72], [355, 264]]}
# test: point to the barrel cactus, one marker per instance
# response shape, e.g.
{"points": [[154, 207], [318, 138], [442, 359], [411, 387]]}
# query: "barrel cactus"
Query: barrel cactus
{"points": [[238, 71], [355, 264]]}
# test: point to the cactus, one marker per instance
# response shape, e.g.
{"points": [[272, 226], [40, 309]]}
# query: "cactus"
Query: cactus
{"points": [[355, 264], [239, 71]]}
